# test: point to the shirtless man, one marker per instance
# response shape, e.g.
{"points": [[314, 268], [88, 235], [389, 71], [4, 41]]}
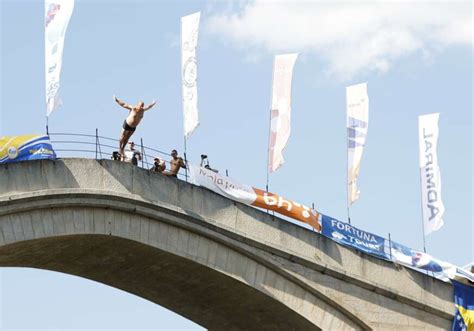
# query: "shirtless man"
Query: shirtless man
{"points": [[176, 163], [130, 124]]}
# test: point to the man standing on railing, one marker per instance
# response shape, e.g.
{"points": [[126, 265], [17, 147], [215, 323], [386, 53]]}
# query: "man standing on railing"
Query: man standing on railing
{"points": [[134, 117], [176, 163]]}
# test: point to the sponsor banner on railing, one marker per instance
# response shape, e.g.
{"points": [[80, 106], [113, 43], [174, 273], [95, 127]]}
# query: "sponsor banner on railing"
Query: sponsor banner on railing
{"points": [[348, 235], [26, 147], [412, 258], [253, 196]]}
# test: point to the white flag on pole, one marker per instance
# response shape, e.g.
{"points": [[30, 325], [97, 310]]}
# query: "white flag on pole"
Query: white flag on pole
{"points": [[57, 15], [357, 102], [281, 109], [189, 38], [432, 205]]}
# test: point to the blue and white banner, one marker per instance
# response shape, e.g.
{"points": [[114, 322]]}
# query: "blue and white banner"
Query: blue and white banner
{"points": [[348, 235], [56, 18], [25, 148], [357, 102], [412, 258]]}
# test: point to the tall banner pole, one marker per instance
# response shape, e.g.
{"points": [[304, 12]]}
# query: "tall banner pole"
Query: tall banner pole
{"points": [[185, 161], [347, 177], [422, 221], [270, 125]]}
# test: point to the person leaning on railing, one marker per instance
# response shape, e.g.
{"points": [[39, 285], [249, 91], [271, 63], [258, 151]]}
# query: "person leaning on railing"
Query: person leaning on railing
{"points": [[158, 165], [176, 163]]}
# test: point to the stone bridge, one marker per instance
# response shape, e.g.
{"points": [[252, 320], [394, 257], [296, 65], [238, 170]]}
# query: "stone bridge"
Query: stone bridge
{"points": [[219, 263]]}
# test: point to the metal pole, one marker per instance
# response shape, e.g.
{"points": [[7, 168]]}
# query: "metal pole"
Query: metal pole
{"points": [[98, 143], [270, 123], [185, 160], [390, 245], [47, 125], [226, 173], [347, 172], [186, 167], [143, 152], [422, 221], [96, 140]]}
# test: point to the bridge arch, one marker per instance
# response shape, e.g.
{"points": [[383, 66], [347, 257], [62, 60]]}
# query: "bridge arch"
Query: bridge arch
{"points": [[214, 261], [145, 252]]}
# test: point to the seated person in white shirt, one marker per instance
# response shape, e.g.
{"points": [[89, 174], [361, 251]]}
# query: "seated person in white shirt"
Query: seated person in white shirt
{"points": [[132, 155]]}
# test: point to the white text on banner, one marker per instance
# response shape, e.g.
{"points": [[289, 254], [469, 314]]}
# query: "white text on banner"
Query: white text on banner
{"points": [[357, 124], [189, 38], [57, 15], [432, 205]]}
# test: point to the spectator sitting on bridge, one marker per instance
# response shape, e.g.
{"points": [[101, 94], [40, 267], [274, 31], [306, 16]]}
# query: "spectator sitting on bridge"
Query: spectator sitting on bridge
{"points": [[132, 155], [158, 165], [115, 156], [176, 163], [134, 117]]}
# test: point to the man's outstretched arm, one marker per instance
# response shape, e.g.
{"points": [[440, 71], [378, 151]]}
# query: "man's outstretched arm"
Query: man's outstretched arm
{"points": [[123, 104], [149, 106]]}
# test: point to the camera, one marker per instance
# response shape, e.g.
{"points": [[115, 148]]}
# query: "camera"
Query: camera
{"points": [[203, 156]]}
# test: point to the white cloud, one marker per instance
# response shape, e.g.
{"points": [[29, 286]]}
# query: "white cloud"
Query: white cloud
{"points": [[351, 37]]}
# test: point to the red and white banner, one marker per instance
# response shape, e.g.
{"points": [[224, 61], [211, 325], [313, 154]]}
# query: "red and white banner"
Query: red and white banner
{"points": [[281, 109], [253, 196]]}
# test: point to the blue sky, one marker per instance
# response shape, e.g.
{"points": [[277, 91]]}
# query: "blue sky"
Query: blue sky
{"points": [[416, 58]]}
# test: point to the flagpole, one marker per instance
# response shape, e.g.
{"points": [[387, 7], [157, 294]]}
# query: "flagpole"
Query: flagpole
{"points": [[182, 96], [47, 125], [422, 221], [270, 124], [347, 170], [268, 147]]}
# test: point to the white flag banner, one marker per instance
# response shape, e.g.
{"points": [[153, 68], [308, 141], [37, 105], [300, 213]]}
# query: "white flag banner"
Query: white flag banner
{"points": [[357, 103], [432, 205], [57, 15], [189, 38], [281, 109]]}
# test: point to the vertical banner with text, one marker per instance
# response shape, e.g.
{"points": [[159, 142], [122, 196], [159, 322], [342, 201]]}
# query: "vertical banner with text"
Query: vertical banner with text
{"points": [[280, 122], [432, 205], [189, 38], [57, 15], [357, 124]]}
